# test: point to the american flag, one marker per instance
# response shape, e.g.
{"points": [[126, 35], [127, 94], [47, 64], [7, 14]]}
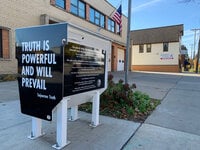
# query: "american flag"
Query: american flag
{"points": [[118, 17]]}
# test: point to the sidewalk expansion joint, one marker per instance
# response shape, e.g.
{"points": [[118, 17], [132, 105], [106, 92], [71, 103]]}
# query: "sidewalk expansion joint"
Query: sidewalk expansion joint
{"points": [[131, 137]]}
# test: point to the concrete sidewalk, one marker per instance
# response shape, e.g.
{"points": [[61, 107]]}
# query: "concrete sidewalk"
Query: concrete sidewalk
{"points": [[174, 125], [15, 127]]}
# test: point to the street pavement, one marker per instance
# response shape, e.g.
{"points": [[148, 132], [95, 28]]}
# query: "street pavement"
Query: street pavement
{"points": [[174, 125]]}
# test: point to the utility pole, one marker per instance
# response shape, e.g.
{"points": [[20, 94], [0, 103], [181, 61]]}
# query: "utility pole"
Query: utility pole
{"points": [[197, 64], [191, 51], [128, 42]]}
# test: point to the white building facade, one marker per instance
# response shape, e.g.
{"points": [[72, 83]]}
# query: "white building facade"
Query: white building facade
{"points": [[156, 49]]}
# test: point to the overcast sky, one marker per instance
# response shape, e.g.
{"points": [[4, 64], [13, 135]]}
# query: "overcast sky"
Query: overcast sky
{"points": [[158, 13]]}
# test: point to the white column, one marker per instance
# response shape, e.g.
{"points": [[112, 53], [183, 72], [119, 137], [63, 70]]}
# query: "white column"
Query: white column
{"points": [[36, 130], [61, 131], [95, 109], [74, 113]]}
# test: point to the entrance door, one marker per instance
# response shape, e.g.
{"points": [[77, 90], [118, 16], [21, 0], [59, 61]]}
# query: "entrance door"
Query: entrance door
{"points": [[120, 63]]}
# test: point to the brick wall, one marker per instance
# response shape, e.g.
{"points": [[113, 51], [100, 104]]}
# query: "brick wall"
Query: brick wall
{"points": [[156, 68], [67, 6]]}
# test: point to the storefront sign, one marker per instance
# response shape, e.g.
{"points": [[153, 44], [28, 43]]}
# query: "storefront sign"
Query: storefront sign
{"points": [[166, 56]]}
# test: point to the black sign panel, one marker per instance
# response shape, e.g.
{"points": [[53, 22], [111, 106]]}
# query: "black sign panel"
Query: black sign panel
{"points": [[84, 68], [39, 51]]}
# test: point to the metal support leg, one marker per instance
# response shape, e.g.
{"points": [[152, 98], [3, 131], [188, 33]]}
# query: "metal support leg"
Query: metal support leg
{"points": [[36, 130], [95, 110], [61, 134], [74, 113]]}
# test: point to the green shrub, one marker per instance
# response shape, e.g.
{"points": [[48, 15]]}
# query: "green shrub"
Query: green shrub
{"points": [[118, 93], [121, 101], [120, 96], [141, 101]]}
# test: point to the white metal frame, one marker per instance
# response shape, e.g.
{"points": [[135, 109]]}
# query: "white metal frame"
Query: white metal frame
{"points": [[61, 131], [36, 128], [61, 124]]}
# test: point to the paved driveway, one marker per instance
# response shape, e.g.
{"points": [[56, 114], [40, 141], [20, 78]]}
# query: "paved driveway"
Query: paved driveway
{"points": [[156, 85]]}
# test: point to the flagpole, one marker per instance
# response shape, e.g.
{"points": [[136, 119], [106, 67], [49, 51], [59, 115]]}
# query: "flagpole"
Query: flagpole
{"points": [[128, 42]]}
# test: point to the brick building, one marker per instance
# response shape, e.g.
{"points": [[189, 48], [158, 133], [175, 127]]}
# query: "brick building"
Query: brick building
{"points": [[91, 15]]}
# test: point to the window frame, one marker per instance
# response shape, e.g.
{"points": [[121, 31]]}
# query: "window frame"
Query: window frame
{"points": [[97, 19], [58, 3], [148, 48], [79, 10], [141, 48], [165, 46], [111, 25]]}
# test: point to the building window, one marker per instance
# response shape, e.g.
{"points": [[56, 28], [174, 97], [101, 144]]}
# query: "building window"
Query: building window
{"points": [[165, 47], [111, 25], [97, 18], [78, 8], [148, 48], [4, 44], [141, 48], [60, 3]]}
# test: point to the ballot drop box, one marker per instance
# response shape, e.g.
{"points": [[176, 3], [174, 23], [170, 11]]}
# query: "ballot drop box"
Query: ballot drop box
{"points": [[60, 66]]}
